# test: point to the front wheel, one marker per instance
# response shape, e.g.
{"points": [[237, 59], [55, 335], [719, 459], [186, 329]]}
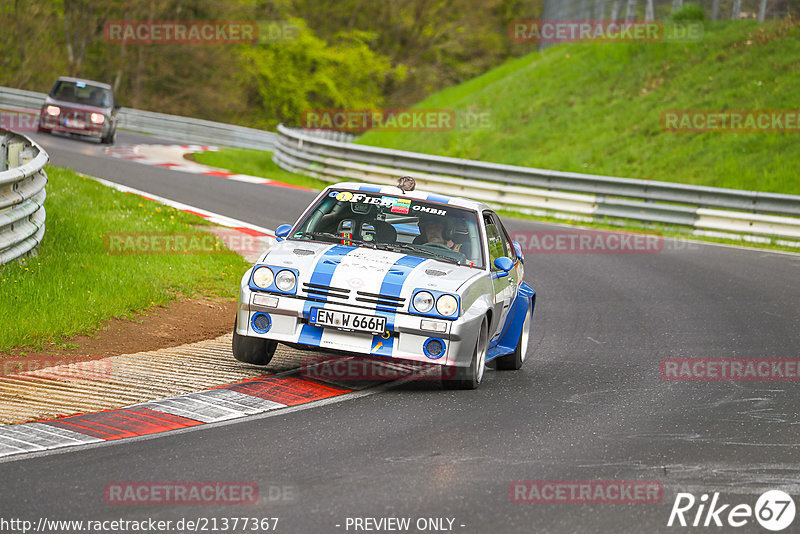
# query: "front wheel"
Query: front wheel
{"points": [[252, 350], [110, 138], [514, 361], [471, 377]]}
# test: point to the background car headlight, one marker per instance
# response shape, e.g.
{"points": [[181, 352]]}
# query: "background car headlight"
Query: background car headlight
{"points": [[423, 302], [53, 110], [285, 280], [97, 118], [263, 277], [447, 305]]}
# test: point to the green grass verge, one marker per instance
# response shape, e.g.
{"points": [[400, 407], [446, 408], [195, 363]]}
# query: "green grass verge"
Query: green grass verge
{"points": [[73, 285], [596, 108], [254, 163]]}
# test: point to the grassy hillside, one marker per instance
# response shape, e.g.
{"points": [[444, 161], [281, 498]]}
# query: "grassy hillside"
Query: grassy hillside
{"points": [[596, 108]]}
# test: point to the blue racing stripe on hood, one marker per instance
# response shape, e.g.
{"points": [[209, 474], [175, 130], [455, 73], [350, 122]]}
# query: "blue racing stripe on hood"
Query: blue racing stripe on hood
{"points": [[393, 281], [392, 285], [327, 264], [322, 275]]}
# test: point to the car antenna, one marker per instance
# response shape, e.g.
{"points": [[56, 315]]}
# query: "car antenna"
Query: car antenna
{"points": [[406, 183]]}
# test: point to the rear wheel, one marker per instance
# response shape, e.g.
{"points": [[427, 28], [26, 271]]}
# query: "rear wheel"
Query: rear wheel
{"points": [[253, 350], [513, 361], [472, 376]]}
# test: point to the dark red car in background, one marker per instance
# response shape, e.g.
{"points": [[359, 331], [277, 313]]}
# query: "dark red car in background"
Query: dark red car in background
{"points": [[80, 107]]}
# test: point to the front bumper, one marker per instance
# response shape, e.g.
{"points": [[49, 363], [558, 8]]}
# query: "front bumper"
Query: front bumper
{"points": [[404, 339], [57, 123]]}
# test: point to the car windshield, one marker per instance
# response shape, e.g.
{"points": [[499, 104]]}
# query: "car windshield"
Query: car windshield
{"points": [[81, 93], [394, 222]]}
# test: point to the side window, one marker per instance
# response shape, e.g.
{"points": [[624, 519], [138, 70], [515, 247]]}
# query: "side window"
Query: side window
{"points": [[495, 240]]}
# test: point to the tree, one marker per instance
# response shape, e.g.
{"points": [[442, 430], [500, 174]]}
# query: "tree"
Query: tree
{"points": [[282, 81], [584, 10], [630, 11], [762, 10], [736, 12], [30, 50], [600, 9], [615, 10]]}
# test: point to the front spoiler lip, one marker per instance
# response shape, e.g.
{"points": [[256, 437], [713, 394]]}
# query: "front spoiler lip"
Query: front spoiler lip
{"points": [[88, 133]]}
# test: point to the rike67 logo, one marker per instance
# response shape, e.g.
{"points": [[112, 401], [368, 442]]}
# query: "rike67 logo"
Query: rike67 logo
{"points": [[774, 510]]}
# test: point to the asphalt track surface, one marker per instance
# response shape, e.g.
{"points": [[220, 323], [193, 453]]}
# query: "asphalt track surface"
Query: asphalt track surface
{"points": [[589, 404]]}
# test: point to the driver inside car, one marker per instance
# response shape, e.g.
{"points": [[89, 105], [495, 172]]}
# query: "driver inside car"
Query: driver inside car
{"points": [[437, 231]]}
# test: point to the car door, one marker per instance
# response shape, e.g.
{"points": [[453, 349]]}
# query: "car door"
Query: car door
{"points": [[504, 285]]}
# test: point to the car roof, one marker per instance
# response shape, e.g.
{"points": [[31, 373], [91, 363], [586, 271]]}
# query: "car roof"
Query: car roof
{"points": [[416, 194], [90, 82]]}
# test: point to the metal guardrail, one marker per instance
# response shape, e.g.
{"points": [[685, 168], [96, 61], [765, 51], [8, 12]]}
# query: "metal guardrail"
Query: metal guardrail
{"points": [[545, 191], [330, 156], [159, 124], [22, 195]]}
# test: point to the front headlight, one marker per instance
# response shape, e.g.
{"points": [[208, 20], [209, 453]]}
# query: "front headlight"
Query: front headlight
{"points": [[263, 277], [423, 302], [97, 118], [447, 305], [53, 110], [285, 280]]}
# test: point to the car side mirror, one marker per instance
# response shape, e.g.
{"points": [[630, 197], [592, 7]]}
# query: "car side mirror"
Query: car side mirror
{"points": [[282, 231], [518, 250], [505, 264]]}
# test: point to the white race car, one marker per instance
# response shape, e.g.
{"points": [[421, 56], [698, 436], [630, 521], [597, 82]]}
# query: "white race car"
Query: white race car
{"points": [[386, 272]]}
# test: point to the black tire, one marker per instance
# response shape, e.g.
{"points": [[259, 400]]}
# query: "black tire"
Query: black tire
{"points": [[472, 376], [109, 139], [252, 350], [514, 361]]}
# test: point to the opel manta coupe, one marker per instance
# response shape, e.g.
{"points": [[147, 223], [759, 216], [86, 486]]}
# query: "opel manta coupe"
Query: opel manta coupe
{"points": [[389, 272]]}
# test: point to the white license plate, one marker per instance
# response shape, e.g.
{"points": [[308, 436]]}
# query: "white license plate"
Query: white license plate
{"points": [[75, 123], [347, 321]]}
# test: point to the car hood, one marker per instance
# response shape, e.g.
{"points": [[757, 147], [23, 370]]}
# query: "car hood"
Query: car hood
{"points": [[366, 270]]}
